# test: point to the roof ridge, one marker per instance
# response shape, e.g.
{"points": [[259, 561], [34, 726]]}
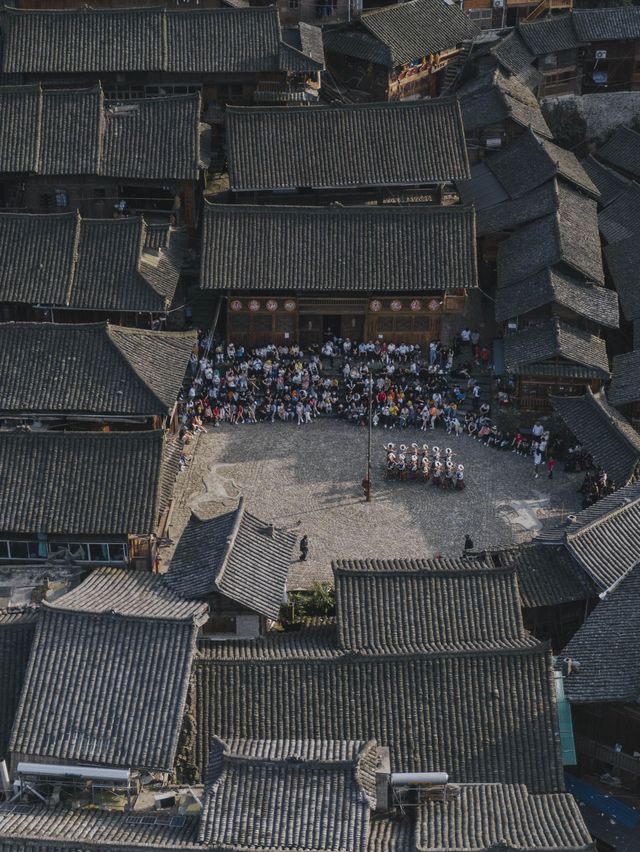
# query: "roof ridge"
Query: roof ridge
{"points": [[571, 535], [435, 103], [231, 540], [75, 257], [112, 333]]}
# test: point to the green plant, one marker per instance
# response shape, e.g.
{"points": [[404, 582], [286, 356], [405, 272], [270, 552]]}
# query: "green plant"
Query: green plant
{"points": [[318, 601]]}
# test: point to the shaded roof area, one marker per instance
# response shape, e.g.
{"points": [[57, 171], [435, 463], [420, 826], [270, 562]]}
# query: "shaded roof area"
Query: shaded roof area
{"points": [[619, 219], [45, 829], [607, 24], [549, 576], [17, 628], [361, 249], [608, 182], [336, 146], [289, 795], [88, 264], [530, 160], [487, 817], [78, 132], [466, 713], [512, 212], [610, 439], [625, 383], [404, 606], [402, 33], [128, 594], [96, 369], [607, 648], [622, 260], [513, 56], [236, 555], [49, 476], [604, 538], [569, 237], [203, 41], [554, 286], [549, 35], [495, 98], [622, 150], [526, 351], [140, 637]]}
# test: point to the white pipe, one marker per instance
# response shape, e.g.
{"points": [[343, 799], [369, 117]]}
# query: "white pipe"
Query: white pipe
{"points": [[4, 777], [399, 779]]}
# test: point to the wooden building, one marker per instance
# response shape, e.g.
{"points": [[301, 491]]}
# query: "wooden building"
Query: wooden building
{"points": [[304, 274], [602, 684], [373, 152], [604, 433], [93, 377], [496, 109], [400, 51], [120, 640], [586, 50], [624, 391], [76, 150], [63, 268], [84, 498], [238, 564], [226, 55], [554, 358]]}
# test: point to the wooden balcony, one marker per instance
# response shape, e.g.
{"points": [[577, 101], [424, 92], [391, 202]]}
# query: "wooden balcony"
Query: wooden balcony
{"points": [[545, 5]]}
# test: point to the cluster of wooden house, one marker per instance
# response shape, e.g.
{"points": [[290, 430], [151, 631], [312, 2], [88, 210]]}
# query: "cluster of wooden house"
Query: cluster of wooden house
{"points": [[144, 710]]}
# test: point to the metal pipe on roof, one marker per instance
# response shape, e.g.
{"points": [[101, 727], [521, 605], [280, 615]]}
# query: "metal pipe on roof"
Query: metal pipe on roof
{"points": [[400, 779]]}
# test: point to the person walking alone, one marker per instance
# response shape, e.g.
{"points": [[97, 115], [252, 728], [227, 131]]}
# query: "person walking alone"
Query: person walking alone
{"points": [[304, 548]]}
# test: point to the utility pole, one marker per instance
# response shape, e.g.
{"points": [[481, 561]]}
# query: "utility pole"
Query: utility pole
{"points": [[367, 487]]}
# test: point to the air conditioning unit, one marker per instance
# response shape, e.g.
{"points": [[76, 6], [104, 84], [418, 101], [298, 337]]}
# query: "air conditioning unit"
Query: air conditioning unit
{"points": [[601, 54], [493, 142], [498, 4]]}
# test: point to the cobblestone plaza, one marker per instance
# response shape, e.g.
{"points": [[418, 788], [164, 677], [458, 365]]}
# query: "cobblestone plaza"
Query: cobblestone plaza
{"points": [[309, 479]]}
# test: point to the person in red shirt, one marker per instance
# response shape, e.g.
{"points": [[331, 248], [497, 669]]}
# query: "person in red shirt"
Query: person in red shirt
{"points": [[551, 463]]}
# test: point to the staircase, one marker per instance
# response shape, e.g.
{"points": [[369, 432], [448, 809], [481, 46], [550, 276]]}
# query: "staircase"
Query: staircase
{"points": [[546, 7], [453, 70]]}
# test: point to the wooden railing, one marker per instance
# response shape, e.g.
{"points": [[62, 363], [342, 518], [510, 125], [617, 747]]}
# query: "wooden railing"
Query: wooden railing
{"points": [[619, 759]]}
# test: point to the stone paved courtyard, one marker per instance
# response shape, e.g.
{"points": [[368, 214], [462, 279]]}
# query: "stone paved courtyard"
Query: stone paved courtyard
{"points": [[308, 479]]}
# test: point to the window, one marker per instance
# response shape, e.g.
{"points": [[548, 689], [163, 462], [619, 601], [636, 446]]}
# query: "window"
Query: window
{"points": [[98, 552], [294, 4], [4, 549], [220, 624]]}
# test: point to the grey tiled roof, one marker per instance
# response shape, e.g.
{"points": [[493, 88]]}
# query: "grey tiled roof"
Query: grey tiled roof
{"points": [[619, 219], [17, 627], [530, 160], [568, 237], [393, 834], [345, 146], [508, 214], [416, 29], [488, 817], [622, 260], [48, 477], [607, 24], [525, 350], [53, 829], [622, 150], [610, 439], [128, 594], [307, 39], [553, 286], [605, 538], [465, 713], [607, 648], [91, 369], [140, 637], [549, 576], [77, 132], [610, 184], [386, 248], [625, 384], [549, 35], [501, 97], [207, 41], [401, 606], [236, 555], [514, 56], [289, 795], [87, 264]]}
